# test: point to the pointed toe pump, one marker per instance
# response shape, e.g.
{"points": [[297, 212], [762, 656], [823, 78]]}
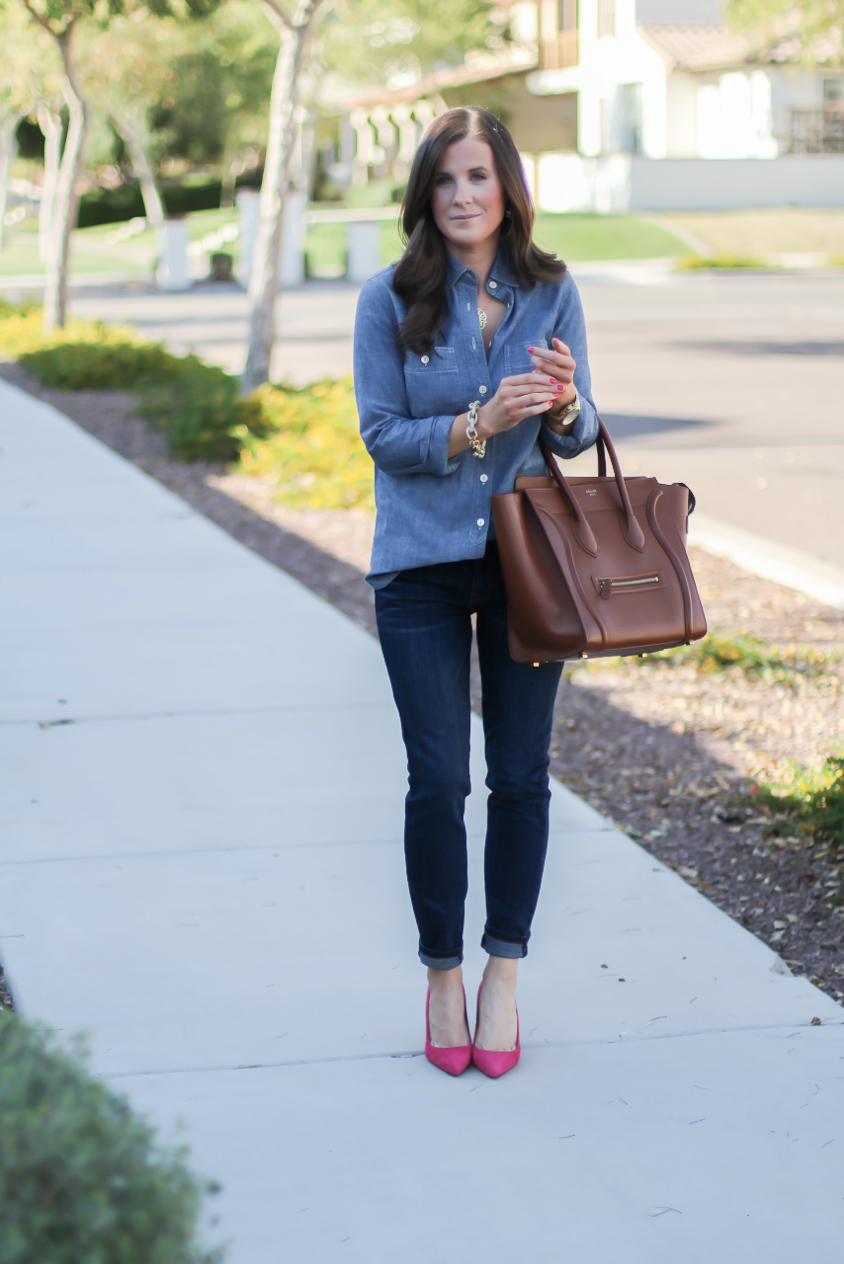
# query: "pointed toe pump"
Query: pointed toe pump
{"points": [[453, 1061], [494, 1062]]}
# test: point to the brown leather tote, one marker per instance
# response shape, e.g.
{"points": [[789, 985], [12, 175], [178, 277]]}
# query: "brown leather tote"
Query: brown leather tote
{"points": [[596, 566]]}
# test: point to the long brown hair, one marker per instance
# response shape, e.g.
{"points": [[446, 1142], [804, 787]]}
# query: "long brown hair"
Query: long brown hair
{"points": [[421, 273]]}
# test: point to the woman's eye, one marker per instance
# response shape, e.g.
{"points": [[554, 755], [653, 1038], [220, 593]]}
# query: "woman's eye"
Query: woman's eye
{"points": [[443, 180], [479, 175]]}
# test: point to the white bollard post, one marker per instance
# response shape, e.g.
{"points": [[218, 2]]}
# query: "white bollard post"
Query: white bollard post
{"points": [[249, 217], [364, 249], [293, 240], [172, 270]]}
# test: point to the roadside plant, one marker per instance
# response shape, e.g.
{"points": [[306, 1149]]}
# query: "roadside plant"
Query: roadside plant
{"points": [[812, 797], [753, 657], [82, 1177], [313, 456]]}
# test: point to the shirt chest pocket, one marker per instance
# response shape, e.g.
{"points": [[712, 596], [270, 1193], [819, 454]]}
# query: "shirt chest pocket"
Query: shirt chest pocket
{"points": [[517, 356], [432, 381]]}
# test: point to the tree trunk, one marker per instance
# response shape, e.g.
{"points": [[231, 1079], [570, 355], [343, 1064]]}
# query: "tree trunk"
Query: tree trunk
{"points": [[228, 182], [263, 285], [8, 150], [50, 122], [64, 208], [132, 130], [303, 178]]}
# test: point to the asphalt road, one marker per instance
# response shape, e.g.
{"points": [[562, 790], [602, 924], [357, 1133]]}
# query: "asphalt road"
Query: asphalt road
{"points": [[733, 384]]}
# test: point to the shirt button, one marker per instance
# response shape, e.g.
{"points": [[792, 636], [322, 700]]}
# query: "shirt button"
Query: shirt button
{"points": [[482, 390], [424, 359], [468, 307], [480, 522], [493, 285], [484, 478]]}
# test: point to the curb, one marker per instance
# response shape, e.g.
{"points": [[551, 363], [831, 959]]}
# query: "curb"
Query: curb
{"points": [[791, 567]]}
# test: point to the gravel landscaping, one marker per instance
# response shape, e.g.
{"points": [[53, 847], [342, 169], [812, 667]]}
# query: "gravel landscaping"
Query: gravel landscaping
{"points": [[669, 751]]}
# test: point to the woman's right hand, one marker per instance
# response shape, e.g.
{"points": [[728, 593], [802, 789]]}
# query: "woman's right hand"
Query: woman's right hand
{"points": [[523, 395]]}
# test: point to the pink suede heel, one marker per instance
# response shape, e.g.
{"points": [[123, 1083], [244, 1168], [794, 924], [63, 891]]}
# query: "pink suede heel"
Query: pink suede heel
{"points": [[452, 1061], [491, 1061]]}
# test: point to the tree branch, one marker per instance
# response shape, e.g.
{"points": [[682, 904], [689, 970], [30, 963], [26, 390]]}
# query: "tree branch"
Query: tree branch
{"points": [[276, 13], [42, 21]]}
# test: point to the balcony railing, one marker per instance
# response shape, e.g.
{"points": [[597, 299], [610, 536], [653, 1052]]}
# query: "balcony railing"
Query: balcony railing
{"points": [[559, 51], [817, 131]]}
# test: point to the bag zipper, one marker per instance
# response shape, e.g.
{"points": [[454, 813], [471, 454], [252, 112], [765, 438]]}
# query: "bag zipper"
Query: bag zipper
{"points": [[606, 586]]}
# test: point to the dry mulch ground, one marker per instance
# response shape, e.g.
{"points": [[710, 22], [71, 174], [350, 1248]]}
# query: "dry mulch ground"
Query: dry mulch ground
{"points": [[669, 753]]}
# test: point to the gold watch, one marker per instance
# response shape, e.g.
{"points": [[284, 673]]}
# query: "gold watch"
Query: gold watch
{"points": [[569, 413]]}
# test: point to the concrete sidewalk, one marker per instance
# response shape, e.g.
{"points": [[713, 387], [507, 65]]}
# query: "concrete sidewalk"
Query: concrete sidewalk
{"points": [[201, 866]]}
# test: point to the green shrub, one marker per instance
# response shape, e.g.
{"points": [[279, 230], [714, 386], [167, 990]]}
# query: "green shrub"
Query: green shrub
{"points": [[197, 405], [693, 262], [313, 456], [305, 442], [180, 197], [746, 653], [202, 414], [754, 657], [105, 365], [83, 1179], [814, 797], [110, 206]]}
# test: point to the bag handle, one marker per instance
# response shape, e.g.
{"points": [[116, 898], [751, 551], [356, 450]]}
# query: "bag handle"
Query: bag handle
{"points": [[634, 533]]}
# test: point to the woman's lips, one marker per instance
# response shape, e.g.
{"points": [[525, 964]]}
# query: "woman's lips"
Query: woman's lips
{"points": [[463, 219]]}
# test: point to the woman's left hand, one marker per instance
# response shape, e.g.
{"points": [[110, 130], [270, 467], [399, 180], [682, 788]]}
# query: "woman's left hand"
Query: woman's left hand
{"points": [[557, 362]]}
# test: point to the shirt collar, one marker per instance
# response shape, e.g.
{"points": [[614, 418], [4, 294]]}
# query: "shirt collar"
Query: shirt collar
{"points": [[501, 272]]}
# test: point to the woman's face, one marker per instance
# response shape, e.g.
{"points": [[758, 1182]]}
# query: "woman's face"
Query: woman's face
{"points": [[468, 200]]}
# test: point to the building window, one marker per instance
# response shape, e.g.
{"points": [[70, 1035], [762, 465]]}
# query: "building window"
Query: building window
{"points": [[820, 131], [833, 94], [630, 118], [606, 18]]}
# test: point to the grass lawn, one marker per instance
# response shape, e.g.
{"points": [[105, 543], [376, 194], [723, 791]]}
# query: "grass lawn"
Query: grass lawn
{"points": [[580, 238], [89, 251], [572, 237], [759, 233]]}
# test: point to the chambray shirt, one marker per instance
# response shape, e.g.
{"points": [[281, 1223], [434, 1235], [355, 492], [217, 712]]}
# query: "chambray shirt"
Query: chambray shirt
{"points": [[431, 509]]}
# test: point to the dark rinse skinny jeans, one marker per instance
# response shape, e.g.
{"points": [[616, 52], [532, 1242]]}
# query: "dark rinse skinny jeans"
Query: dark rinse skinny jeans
{"points": [[424, 621]]}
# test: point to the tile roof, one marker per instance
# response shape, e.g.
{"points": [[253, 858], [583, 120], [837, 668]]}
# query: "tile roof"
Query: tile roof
{"points": [[698, 47]]}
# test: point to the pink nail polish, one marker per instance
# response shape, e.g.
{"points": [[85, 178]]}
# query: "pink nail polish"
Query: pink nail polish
{"points": [[530, 349]]}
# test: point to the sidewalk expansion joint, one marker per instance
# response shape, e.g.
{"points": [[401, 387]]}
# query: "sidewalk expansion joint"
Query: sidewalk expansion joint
{"points": [[794, 1029], [181, 715], [201, 851]]}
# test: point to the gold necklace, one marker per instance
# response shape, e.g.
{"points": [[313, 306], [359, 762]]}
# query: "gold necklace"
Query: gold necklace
{"points": [[482, 317]]}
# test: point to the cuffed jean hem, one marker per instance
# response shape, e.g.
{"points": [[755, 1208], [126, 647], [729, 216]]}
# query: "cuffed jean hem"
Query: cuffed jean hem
{"points": [[502, 948], [441, 963]]}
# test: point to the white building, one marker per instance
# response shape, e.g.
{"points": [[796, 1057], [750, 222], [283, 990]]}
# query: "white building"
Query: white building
{"points": [[631, 104], [668, 80]]}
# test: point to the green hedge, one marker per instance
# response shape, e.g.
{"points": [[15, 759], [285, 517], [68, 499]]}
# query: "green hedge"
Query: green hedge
{"points": [[113, 206], [197, 405], [303, 444], [83, 1180]]}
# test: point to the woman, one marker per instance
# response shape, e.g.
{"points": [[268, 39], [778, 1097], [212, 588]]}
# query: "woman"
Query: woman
{"points": [[468, 351]]}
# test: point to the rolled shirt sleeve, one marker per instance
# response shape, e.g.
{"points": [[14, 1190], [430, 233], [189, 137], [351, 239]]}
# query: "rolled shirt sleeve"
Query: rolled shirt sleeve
{"points": [[397, 442]]}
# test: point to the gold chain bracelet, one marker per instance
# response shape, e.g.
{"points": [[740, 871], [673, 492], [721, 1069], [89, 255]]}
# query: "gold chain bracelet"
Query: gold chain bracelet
{"points": [[477, 445]]}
